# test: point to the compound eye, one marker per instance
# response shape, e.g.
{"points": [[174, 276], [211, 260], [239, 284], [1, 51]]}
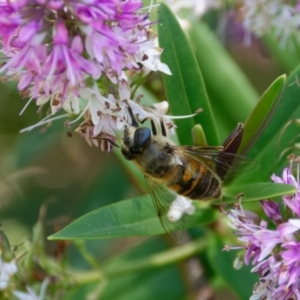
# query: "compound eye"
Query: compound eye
{"points": [[142, 136]]}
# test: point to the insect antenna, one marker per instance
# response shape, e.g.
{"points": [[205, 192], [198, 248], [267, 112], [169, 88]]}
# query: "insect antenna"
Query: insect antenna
{"points": [[107, 140]]}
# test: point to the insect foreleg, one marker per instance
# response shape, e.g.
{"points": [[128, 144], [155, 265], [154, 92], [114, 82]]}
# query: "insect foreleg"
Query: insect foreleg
{"points": [[163, 128], [153, 127], [133, 119]]}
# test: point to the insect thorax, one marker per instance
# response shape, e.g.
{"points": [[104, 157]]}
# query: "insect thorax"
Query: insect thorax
{"points": [[155, 160]]}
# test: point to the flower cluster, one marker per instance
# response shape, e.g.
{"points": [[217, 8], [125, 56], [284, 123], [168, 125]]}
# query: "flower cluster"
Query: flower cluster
{"points": [[275, 253], [7, 270], [26, 269], [199, 8], [280, 18], [73, 55], [265, 16], [195, 8], [8, 264]]}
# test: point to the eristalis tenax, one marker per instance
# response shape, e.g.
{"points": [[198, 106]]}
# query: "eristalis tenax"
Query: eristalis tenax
{"points": [[194, 172]]}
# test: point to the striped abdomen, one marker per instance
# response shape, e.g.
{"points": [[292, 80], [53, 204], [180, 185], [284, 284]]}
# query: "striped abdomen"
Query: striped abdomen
{"points": [[196, 181]]}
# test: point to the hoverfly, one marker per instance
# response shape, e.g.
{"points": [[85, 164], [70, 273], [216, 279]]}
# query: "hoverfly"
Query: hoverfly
{"points": [[194, 172]]}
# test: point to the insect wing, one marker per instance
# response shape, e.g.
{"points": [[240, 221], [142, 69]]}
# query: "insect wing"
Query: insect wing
{"points": [[168, 212], [222, 163]]}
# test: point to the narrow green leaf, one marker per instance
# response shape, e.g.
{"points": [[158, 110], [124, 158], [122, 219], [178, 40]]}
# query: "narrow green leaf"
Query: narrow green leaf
{"points": [[269, 148], [185, 88], [148, 263], [146, 285], [138, 265], [261, 117], [198, 135], [288, 109], [288, 104], [134, 217], [257, 191], [232, 95]]}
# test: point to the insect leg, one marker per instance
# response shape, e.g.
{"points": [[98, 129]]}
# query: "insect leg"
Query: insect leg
{"points": [[163, 128], [133, 119], [153, 127]]}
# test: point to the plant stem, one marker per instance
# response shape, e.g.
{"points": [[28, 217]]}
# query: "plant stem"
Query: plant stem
{"points": [[158, 260]]}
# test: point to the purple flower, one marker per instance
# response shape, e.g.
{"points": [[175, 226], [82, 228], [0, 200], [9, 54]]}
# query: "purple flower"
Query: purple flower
{"points": [[114, 32], [291, 258], [292, 201], [275, 253], [60, 51], [271, 210]]}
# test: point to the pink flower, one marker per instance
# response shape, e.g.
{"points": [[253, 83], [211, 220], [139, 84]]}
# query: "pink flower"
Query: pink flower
{"points": [[60, 50], [275, 253]]}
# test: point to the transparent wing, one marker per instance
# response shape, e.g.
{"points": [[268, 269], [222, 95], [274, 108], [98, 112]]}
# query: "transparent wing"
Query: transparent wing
{"points": [[170, 212], [225, 164]]}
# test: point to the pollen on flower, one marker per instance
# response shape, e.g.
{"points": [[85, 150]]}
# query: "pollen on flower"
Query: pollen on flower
{"points": [[180, 206]]}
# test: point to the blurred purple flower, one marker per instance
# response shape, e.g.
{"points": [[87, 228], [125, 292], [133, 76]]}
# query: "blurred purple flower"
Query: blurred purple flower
{"points": [[275, 253], [279, 18]]}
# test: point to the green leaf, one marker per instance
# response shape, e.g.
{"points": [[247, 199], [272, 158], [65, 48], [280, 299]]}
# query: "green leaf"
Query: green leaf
{"points": [[257, 191], [149, 286], [185, 88], [288, 104], [288, 109], [129, 268], [261, 117], [137, 264], [120, 267], [269, 148], [134, 217], [240, 281], [231, 95], [198, 134]]}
